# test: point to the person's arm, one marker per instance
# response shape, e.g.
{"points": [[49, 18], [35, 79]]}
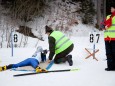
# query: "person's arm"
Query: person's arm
{"points": [[51, 47], [39, 49], [108, 22], [102, 25]]}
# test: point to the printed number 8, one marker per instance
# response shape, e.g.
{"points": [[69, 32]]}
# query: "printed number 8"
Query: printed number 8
{"points": [[91, 38], [15, 38]]}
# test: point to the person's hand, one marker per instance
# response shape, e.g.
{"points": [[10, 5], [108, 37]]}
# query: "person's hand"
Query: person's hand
{"points": [[48, 61], [106, 27]]}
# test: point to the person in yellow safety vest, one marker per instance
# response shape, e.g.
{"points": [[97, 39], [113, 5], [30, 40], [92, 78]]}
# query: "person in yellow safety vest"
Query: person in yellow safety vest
{"points": [[60, 46], [109, 37]]}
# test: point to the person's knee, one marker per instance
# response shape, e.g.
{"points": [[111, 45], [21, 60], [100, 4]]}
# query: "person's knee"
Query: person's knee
{"points": [[56, 61], [34, 63]]}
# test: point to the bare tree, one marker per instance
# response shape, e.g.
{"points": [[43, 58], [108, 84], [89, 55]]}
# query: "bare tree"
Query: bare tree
{"points": [[98, 11], [21, 41]]}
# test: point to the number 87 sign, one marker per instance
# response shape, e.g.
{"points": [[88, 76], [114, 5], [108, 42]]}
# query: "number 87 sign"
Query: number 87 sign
{"points": [[94, 37]]}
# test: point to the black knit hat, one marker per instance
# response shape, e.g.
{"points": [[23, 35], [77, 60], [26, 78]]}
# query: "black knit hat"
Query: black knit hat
{"points": [[113, 5], [48, 29]]}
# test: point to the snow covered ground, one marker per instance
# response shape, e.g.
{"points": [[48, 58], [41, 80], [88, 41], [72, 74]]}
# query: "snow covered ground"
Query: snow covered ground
{"points": [[91, 72]]}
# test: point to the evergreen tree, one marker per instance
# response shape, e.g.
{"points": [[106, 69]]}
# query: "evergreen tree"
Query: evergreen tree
{"points": [[87, 11]]}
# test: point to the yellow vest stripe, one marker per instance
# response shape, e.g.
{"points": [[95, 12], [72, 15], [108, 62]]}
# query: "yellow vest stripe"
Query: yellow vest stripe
{"points": [[113, 24], [60, 39], [62, 44]]}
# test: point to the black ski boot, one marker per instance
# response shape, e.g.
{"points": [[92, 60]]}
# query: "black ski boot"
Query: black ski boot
{"points": [[69, 59], [108, 69]]}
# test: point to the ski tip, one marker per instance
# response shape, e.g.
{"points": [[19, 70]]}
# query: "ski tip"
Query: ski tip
{"points": [[14, 75], [75, 69]]}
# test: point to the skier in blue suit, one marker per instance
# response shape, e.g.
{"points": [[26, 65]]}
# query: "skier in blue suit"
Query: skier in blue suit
{"points": [[39, 55]]}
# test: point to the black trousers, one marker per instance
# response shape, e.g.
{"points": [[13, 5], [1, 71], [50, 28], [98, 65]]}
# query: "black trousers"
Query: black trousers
{"points": [[61, 57], [110, 53]]}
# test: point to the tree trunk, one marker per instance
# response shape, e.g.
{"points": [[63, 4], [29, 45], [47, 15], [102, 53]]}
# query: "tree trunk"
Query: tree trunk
{"points": [[99, 12], [104, 8]]}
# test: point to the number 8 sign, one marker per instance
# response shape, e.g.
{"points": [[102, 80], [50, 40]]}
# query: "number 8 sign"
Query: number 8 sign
{"points": [[94, 37], [15, 38]]}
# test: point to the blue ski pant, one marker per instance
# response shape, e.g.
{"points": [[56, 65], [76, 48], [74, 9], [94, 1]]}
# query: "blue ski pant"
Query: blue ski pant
{"points": [[27, 62]]}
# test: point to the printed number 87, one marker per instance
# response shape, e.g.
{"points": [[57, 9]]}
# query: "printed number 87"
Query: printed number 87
{"points": [[92, 38]]}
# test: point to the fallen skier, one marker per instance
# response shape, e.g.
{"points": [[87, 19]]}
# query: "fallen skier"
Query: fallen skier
{"points": [[34, 61]]}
